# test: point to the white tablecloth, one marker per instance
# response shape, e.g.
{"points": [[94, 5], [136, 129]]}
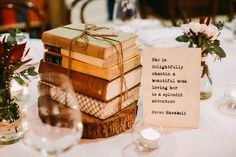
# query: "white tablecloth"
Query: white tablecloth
{"points": [[216, 136]]}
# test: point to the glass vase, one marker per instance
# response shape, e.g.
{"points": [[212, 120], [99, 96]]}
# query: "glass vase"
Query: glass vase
{"points": [[206, 82], [10, 118]]}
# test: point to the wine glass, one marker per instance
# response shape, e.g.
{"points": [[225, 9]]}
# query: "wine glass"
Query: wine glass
{"points": [[147, 139], [124, 12], [53, 125], [229, 106]]}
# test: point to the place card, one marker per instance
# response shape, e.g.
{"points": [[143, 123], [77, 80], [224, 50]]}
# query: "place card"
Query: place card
{"points": [[171, 86]]}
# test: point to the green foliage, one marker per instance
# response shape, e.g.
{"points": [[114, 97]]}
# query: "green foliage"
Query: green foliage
{"points": [[11, 59], [183, 38], [206, 45], [219, 25]]}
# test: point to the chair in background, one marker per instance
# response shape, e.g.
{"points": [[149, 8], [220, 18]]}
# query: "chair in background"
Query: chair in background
{"points": [[72, 6], [174, 9], [22, 7], [193, 8], [231, 9]]}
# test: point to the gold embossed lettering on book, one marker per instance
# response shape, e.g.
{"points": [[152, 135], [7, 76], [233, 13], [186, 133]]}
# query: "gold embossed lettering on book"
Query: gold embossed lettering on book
{"points": [[92, 86]]}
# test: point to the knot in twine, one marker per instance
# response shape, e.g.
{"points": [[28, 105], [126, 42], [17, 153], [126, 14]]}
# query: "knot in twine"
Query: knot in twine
{"points": [[102, 34]]}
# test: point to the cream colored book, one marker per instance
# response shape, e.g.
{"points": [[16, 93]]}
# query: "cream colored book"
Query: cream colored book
{"points": [[63, 36], [105, 73], [90, 105], [103, 63]]}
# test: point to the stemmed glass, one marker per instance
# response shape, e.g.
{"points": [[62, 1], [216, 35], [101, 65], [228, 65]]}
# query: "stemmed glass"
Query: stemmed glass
{"points": [[124, 12], [229, 106], [53, 127]]}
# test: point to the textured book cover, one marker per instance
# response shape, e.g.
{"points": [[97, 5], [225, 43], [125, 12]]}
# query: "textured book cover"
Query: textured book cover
{"points": [[62, 37], [90, 105], [91, 86]]}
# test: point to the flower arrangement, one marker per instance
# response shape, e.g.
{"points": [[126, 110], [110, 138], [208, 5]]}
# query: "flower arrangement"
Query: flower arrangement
{"points": [[203, 35], [11, 59]]}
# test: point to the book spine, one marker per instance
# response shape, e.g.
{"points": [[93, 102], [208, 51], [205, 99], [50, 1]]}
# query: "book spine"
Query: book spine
{"points": [[50, 58], [53, 49], [82, 83]]}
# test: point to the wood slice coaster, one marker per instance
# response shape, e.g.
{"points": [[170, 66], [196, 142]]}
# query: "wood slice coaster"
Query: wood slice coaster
{"points": [[92, 127]]}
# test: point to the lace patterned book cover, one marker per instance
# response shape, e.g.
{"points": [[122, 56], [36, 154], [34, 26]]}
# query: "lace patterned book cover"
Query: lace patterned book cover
{"points": [[171, 86]]}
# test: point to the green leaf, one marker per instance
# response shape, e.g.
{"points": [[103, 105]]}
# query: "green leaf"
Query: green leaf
{"points": [[219, 51], [31, 71], [182, 38], [19, 80], [199, 40]]}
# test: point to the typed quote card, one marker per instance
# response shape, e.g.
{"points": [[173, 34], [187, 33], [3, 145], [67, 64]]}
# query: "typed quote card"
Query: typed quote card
{"points": [[171, 86]]}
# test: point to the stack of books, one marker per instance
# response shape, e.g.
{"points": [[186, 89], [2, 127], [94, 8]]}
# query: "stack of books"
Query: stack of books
{"points": [[96, 77]]}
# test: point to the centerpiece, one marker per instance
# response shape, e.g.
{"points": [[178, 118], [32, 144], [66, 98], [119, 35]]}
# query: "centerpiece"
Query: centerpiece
{"points": [[12, 55], [204, 35]]}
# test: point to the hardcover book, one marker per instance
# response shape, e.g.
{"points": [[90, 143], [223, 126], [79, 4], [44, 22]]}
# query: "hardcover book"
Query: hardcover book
{"points": [[103, 63], [62, 37], [104, 73], [91, 86], [90, 105]]}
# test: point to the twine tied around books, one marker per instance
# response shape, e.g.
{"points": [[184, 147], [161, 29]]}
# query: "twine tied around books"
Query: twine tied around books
{"points": [[101, 33]]}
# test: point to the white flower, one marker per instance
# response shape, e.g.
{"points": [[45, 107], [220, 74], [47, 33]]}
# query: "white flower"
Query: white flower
{"points": [[185, 28], [195, 27], [204, 28], [212, 32]]}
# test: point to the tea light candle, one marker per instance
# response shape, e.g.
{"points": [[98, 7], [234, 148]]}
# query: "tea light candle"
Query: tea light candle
{"points": [[16, 89], [233, 94], [150, 137]]}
